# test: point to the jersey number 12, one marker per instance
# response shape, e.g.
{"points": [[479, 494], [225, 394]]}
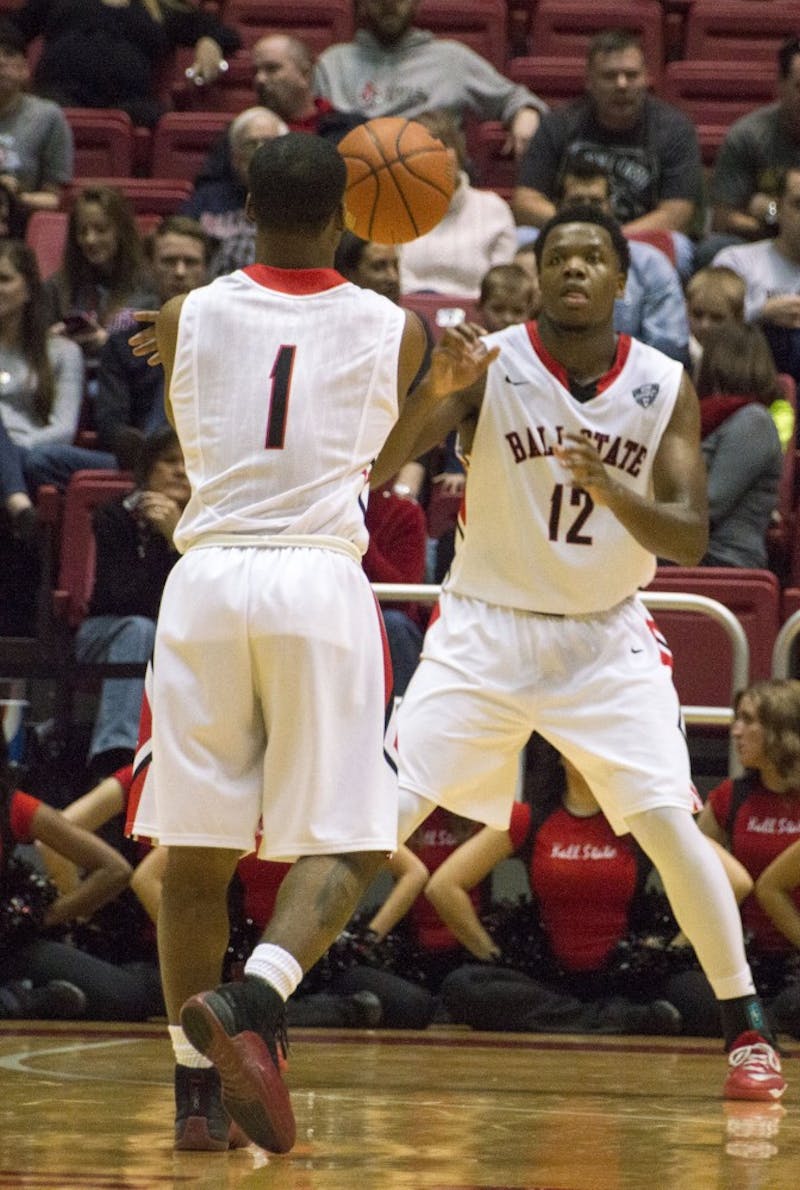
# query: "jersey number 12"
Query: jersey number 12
{"points": [[578, 498]]}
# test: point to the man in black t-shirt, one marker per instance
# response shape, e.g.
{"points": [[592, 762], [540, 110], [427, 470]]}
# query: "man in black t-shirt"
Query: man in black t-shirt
{"points": [[647, 147]]}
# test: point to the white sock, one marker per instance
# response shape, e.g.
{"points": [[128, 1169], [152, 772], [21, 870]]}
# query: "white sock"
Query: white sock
{"points": [[184, 1051], [274, 964]]}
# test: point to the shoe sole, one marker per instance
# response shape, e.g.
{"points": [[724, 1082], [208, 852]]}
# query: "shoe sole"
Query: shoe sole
{"points": [[765, 1095], [195, 1137], [253, 1091]]}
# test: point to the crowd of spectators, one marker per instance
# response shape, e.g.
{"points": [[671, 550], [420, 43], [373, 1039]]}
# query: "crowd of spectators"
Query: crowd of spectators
{"points": [[714, 282]]}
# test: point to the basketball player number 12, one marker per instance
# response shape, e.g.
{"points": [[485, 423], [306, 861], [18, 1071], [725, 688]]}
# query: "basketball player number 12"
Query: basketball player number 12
{"points": [[281, 377]]}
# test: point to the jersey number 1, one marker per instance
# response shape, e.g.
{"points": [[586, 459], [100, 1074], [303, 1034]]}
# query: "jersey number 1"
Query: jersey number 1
{"points": [[281, 377], [577, 498]]}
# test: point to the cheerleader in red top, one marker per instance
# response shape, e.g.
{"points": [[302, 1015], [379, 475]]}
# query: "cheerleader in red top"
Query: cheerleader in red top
{"points": [[583, 935], [45, 976], [757, 817]]}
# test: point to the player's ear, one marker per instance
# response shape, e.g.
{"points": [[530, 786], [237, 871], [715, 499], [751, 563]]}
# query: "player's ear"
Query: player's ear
{"points": [[344, 218]]}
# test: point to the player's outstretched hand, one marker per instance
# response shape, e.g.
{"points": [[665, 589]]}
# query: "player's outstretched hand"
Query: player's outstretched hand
{"points": [[460, 358], [144, 341]]}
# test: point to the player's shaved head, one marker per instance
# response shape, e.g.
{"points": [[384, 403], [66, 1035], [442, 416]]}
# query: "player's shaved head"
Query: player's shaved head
{"points": [[297, 181]]}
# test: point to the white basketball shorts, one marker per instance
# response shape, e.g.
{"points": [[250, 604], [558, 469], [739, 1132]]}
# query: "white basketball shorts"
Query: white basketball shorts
{"points": [[598, 687], [269, 696]]}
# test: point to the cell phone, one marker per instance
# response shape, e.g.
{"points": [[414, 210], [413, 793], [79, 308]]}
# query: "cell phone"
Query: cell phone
{"points": [[450, 316], [78, 322]]}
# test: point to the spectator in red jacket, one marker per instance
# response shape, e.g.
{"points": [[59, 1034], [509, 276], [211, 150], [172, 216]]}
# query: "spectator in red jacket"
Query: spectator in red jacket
{"points": [[396, 554]]}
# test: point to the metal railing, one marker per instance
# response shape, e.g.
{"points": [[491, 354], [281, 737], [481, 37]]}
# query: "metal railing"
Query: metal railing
{"points": [[782, 649], [715, 716]]}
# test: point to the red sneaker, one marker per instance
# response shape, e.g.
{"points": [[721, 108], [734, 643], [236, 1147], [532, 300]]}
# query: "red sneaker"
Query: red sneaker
{"points": [[253, 1092], [754, 1070]]}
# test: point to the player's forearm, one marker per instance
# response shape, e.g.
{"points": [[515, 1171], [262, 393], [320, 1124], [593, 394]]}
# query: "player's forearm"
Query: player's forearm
{"points": [[677, 532], [530, 207], [425, 421]]}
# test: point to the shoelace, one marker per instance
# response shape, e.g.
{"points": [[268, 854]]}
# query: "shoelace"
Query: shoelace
{"points": [[282, 1035], [758, 1052]]}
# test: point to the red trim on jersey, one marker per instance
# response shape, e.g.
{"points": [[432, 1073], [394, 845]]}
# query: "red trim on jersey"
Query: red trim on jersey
{"points": [[142, 758], [560, 372], [296, 281], [388, 675]]}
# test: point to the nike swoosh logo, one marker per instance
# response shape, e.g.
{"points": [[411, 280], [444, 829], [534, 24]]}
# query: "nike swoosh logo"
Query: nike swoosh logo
{"points": [[637, 650], [516, 382]]}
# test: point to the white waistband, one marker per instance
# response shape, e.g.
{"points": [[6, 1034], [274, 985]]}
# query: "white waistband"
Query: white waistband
{"points": [[316, 541]]}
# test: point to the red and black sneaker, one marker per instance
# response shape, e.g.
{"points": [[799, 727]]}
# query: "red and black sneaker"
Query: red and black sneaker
{"points": [[754, 1070], [201, 1122], [227, 1026]]}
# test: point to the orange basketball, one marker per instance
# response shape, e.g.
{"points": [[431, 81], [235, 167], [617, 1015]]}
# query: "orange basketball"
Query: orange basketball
{"points": [[400, 179]]}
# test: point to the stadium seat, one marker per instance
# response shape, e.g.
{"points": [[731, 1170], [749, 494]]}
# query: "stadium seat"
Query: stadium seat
{"points": [[181, 141], [714, 94], [440, 310], [739, 30], [85, 492], [104, 141], [232, 92], [319, 23], [563, 28], [150, 196], [556, 80], [480, 24], [701, 649], [492, 167], [46, 233]]}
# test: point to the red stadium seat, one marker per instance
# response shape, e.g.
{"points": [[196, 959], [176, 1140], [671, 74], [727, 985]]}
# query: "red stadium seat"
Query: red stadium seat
{"points": [[485, 146], [480, 24], [319, 23], [232, 92], [440, 310], [739, 30], [104, 141], [714, 94], [46, 233], [563, 28], [147, 196], [556, 80], [181, 141], [701, 649], [85, 492]]}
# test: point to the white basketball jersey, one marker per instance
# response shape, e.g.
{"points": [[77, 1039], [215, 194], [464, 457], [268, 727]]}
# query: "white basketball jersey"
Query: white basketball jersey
{"points": [[283, 392], [531, 540]]}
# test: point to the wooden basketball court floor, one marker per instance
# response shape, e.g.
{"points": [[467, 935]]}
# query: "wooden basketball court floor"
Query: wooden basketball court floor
{"points": [[90, 1107]]}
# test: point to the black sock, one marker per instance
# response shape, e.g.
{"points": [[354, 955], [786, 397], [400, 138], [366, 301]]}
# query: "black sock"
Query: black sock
{"points": [[744, 1014]]}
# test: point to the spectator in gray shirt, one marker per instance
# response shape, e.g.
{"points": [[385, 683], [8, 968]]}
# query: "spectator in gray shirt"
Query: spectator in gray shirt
{"points": [[36, 147], [394, 69]]}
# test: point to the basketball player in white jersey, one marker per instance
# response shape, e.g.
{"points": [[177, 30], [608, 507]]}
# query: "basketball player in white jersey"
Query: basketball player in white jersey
{"points": [[269, 689], [584, 468]]}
